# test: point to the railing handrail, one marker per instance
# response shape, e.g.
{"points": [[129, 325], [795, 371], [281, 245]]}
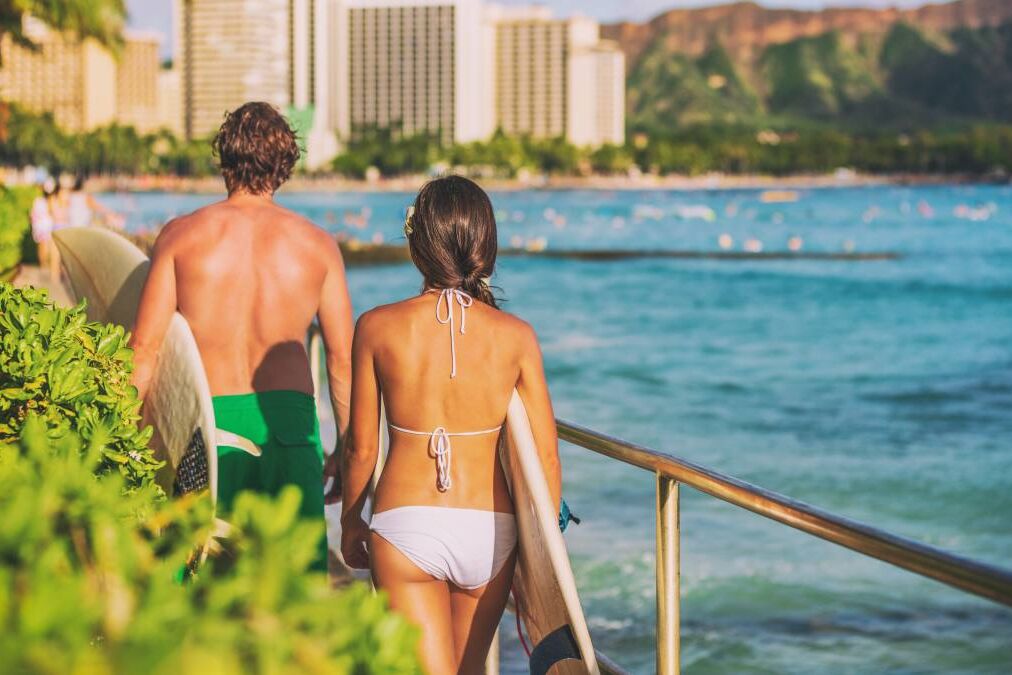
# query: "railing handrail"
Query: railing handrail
{"points": [[982, 579]]}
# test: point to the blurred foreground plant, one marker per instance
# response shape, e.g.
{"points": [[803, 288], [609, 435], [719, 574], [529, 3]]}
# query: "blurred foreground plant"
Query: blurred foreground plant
{"points": [[88, 580], [74, 375], [15, 227], [91, 553]]}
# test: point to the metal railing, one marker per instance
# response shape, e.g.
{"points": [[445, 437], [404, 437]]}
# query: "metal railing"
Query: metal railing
{"points": [[967, 575], [970, 576]]}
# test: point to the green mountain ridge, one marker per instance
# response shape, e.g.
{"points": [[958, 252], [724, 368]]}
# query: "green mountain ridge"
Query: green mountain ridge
{"points": [[903, 79]]}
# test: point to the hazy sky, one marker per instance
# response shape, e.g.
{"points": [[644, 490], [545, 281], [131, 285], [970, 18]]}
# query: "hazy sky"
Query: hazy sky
{"points": [[157, 14]]}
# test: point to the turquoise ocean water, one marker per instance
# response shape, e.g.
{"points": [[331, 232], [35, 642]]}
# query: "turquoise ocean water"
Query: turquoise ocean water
{"points": [[878, 390]]}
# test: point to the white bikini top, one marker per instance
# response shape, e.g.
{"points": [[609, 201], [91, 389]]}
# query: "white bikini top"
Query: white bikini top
{"points": [[439, 438]]}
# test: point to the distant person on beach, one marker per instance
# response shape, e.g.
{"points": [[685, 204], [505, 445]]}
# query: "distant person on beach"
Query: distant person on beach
{"points": [[442, 537], [82, 208], [250, 277], [41, 216]]}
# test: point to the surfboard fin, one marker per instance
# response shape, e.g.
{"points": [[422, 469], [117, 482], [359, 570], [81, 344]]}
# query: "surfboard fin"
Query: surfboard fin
{"points": [[566, 516], [236, 441], [558, 645]]}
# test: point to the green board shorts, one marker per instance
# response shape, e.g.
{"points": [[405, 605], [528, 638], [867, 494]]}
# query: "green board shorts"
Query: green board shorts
{"points": [[284, 425]]}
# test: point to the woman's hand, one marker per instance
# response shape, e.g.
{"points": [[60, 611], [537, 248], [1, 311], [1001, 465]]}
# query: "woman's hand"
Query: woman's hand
{"points": [[354, 543]]}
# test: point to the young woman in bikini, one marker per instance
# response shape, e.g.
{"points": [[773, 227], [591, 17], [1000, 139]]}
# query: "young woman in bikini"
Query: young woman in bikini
{"points": [[441, 540]]}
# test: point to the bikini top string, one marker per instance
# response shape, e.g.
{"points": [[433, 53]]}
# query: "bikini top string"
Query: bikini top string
{"points": [[445, 315]]}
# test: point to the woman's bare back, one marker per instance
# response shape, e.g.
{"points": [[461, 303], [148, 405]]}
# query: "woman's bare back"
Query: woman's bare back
{"points": [[413, 362]]}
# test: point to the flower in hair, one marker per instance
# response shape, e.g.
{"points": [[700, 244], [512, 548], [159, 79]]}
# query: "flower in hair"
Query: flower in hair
{"points": [[408, 229]]}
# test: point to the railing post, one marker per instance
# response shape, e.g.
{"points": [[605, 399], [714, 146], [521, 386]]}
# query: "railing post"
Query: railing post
{"points": [[668, 615]]}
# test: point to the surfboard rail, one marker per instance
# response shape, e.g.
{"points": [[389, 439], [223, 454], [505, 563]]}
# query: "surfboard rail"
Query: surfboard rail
{"points": [[109, 271]]}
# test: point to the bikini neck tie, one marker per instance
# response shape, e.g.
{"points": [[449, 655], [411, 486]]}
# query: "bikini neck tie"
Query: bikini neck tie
{"points": [[439, 447], [444, 315]]}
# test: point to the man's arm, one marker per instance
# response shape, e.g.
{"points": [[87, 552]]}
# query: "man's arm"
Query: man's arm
{"points": [[338, 327], [158, 304]]}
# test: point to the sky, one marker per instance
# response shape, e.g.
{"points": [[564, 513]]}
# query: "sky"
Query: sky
{"points": [[156, 15]]}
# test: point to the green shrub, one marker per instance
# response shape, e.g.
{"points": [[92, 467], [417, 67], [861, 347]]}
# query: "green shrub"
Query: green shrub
{"points": [[74, 376], [88, 580], [15, 227]]}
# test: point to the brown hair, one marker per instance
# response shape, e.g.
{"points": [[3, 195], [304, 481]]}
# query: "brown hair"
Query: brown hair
{"points": [[256, 149], [452, 236]]}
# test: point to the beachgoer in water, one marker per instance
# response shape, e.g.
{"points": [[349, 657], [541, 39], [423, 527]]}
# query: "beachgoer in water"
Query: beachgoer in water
{"points": [[250, 278], [442, 537]]}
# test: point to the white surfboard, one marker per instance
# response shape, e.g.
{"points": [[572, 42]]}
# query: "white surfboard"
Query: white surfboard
{"points": [[109, 271], [543, 585]]}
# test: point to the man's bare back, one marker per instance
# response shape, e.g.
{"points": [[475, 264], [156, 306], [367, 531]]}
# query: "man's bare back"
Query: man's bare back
{"points": [[249, 277]]}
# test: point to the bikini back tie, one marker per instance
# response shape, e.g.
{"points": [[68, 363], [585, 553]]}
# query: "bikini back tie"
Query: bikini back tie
{"points": [[439, 448], [444, 315]]}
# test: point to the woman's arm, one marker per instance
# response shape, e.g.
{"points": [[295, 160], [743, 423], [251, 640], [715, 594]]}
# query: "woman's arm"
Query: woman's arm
{"points": [[362, 450], [533, 390]]}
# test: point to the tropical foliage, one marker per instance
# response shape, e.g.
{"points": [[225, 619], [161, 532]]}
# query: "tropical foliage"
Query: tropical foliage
{"points": [[102, 20], [99, 19], [114, 149], [99, 573], [73, 377], [396, 154], [89, 580], [15, 228], [978, 150], [690, 149]]}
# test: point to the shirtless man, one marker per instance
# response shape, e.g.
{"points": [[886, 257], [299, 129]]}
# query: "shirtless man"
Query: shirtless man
{"points": [[250, 277]]}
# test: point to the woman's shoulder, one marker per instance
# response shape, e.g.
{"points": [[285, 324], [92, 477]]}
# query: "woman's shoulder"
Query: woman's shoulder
{"points": [[383, 314], [513, 327]]}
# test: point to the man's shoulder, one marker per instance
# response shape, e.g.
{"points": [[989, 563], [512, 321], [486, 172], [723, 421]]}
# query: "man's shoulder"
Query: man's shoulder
{"points": [[302, 228], [178, 230]]}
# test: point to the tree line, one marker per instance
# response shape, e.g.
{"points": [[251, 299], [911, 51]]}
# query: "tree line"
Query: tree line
{"points": [[35, 139], [978, 150]]}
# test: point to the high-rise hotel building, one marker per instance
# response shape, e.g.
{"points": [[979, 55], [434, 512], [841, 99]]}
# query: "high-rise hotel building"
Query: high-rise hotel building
{"points": [[555, 77], [457, 69], [596, 95], [137, 71], [230, 52], [80, 82], [414, 66], [460, 69]]}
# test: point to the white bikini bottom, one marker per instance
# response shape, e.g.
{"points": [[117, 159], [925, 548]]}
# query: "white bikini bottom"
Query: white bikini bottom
{"points": [[466, 547]]}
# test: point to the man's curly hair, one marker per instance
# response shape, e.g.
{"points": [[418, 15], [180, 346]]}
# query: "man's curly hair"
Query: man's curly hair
{"points": [[256, 149]]}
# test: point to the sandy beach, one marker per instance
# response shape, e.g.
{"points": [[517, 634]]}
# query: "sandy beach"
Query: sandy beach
{"points": [[842, 178]]}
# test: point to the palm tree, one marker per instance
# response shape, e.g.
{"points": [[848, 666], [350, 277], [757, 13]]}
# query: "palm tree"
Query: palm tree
{"points": [[99, 19]]}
